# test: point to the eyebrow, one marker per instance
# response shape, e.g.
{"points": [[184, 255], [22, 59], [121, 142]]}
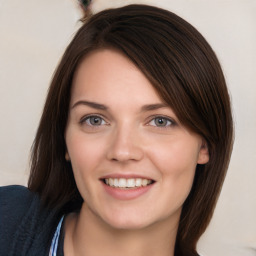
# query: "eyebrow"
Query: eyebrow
{"points": [[151, 107], [145, 108], [90, 104]]}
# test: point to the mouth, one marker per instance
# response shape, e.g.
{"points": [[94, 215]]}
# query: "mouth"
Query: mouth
{"points": [[130, 183]]}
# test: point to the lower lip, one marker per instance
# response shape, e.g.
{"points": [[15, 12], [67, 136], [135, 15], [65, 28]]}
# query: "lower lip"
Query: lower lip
{"points": [[126, 194]]}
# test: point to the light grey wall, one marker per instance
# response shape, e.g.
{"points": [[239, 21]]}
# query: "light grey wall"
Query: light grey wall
{"points": [[33, 36]]}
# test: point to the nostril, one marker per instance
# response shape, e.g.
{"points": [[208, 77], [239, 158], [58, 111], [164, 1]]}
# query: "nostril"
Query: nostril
{"points": [[124, 154]]}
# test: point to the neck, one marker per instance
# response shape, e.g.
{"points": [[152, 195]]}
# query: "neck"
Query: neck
{"points": [[86, 234]]}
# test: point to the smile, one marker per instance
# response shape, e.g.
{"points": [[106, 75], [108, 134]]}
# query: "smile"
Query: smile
{"points": [[127, 183]]}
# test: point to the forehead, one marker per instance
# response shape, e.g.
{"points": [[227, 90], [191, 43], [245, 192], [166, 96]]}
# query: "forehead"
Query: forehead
{"points": [[107, 74]]}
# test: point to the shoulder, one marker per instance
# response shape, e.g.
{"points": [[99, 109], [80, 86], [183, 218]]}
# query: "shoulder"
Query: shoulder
{"points": [[25, 225], [14, 201], [15, 198]]}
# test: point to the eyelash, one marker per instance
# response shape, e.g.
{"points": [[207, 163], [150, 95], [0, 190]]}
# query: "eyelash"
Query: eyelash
{"points": [[168, 122]]}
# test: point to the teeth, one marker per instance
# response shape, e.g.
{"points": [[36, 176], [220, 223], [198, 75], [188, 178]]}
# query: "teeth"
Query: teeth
{"points": [[138, 182], [116, 183], [122, 183], [144, 182], [127, 183], [130, 183], [110, 182]]}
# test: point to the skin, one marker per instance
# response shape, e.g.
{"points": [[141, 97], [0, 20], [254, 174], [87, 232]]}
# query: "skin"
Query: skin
{"points": [[135, 134]]}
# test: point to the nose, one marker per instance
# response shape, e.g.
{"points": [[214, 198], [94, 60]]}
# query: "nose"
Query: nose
{"points": [[125, 145]]}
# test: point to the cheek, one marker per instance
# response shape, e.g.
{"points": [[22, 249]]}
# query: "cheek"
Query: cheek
{"points": [[85, 155], [176, 163], [175, 158], [83, 151], [84, 160]]}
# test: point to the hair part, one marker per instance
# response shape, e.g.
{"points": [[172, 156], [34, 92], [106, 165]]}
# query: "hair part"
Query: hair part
{"points": [[183, 69]]}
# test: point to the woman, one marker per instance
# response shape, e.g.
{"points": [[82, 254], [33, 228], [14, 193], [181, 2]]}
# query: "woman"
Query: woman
{"points": [[133, 144]]}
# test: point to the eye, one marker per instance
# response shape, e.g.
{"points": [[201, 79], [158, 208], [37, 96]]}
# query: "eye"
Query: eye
{"points": [[93, 121], [161, 121]]}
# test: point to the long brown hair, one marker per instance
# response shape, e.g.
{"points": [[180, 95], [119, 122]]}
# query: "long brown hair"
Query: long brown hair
{"points": [[185, 71]]}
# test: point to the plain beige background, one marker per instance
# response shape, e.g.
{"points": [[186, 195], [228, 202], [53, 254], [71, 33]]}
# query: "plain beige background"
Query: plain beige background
{"points": [[33, 36]]}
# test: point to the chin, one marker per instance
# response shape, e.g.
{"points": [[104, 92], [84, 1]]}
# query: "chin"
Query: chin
{"points": [[130, 221], [128, 224]]}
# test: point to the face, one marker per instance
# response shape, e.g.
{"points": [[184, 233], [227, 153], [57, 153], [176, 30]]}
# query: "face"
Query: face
{"points": [[133, 162]]}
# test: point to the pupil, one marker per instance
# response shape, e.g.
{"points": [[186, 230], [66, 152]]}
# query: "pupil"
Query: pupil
{"points": [[95, 120], [161, 121]]}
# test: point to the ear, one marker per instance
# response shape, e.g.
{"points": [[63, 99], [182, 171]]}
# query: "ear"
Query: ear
{"points": [[67, 157], [203, 156]]}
